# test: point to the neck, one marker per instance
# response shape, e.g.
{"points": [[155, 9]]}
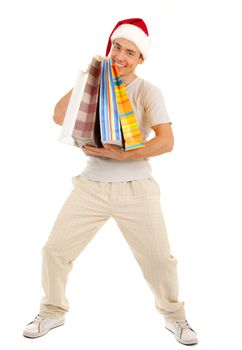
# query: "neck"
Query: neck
{"points": [[128, 79]]}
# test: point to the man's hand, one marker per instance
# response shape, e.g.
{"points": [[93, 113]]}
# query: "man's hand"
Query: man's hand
{"points": [[109, 151]]}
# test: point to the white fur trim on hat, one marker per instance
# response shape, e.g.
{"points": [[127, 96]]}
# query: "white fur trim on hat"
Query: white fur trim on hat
{"points": [[136, 35]]}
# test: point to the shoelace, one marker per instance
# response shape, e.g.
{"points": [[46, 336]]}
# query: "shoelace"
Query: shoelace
{"points": [[38, 319], [183, 324]]}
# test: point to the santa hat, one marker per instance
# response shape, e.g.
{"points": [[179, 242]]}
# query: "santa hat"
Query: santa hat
{"points": [[133, 29]]}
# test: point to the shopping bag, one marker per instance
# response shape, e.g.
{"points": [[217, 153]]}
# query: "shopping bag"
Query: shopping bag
{"points": [[130, 128], [86, 128], [99, 110], [108, 111], [72, 108]]}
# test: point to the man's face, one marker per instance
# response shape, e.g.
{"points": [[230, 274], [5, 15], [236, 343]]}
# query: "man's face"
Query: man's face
{"points": [[126, 56]]}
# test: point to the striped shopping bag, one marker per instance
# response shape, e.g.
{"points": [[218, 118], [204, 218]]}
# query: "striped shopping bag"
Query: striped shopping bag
{"points": [[130, 128], [108, 111], [72, 108], [86, 128]]}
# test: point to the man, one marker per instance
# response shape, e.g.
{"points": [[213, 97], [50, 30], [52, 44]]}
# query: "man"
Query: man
{"points": [[118, 184]]}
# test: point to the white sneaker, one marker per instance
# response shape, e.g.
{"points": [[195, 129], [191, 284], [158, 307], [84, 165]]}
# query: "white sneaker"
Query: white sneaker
{"points": [[41, 326], [182, 331]]}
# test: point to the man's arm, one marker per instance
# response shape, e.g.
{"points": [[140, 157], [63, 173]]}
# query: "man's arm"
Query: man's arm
{"points": [[162, 142], [60, 108]]}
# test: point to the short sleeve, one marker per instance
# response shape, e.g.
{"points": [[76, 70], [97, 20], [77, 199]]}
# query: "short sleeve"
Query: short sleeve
{"points": [[154, 106]]}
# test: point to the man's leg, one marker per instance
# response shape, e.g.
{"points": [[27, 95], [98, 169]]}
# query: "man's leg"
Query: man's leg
{"points": [[139, 217], [84, 212]]}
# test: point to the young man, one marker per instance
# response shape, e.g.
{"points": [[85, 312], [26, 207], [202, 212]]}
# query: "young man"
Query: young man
{"points": [[118, 184]]}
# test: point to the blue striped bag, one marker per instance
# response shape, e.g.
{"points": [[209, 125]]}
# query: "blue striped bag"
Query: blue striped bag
{"points": [[110, 127]]}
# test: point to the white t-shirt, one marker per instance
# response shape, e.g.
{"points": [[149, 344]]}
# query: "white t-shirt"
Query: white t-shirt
{"points": [[149, 108]]}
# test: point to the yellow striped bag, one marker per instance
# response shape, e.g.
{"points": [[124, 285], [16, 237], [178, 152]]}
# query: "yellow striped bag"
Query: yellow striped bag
{"points": [[131, 132]]}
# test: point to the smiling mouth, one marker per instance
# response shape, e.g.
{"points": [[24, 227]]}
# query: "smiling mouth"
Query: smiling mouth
{"points": [[120, 66]]}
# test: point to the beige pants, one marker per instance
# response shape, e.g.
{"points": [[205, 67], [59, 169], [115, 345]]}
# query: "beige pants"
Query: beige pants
{"points": [[135, 206]]}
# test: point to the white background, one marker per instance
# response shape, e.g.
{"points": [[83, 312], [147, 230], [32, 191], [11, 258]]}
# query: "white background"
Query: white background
{"points": [[196, 61]]}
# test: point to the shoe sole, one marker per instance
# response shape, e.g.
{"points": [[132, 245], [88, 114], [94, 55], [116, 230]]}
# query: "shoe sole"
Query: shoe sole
{"points": [[30, 335], [182, 342]]}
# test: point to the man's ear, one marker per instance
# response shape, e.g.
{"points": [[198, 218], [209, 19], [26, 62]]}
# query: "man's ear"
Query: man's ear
{"points": [[141, 59]]}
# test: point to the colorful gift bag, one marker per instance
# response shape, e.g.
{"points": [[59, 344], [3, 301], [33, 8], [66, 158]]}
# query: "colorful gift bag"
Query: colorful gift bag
{"points": [[130, 129], [86, 129], [108, 110], [99, 110]]}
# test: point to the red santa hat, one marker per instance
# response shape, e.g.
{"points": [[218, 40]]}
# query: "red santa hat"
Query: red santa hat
{"points": [[133, 29]]}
